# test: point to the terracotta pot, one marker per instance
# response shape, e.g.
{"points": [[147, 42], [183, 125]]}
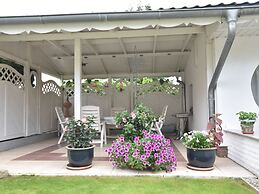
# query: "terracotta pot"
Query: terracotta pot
{"points": [[222, 151], [67, 105], [247, 127]]}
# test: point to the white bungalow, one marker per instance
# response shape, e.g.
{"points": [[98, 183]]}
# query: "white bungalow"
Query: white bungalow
{"points": [[194, 44]]}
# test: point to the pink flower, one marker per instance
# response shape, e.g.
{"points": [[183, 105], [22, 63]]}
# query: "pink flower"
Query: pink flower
{"points": [[122, 139], [124, 120], [84, 119], [133, 115]]}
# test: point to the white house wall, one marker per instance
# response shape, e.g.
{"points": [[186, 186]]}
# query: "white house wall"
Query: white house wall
{"points": [[234, 94], [196, 78], [234, 91]]}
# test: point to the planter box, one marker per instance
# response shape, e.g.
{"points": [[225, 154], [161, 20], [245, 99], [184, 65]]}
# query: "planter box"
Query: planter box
{"points": [[222, 151]]}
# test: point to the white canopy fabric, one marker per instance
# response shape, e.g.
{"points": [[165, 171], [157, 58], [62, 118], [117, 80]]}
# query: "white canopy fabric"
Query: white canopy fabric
{"points": [[103, 26]]}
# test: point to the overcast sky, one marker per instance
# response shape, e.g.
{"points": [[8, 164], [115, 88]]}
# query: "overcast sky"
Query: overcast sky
{"points": [[43, 7]]}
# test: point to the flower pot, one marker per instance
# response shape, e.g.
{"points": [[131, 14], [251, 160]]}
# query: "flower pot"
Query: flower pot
{"points": [[201, 158], [67, 105], [80, 157], [222, 151], [247, 127]]}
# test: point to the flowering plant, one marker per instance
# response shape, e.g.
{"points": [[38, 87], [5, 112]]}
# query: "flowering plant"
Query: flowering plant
{"points": [[80, 133], [153, 152], [135, 122], [197, 139], [215, 129]]}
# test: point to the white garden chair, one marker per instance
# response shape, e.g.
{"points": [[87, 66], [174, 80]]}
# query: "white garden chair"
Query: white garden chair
{"points": [[98, 126], [62, 122], [157, 125]]}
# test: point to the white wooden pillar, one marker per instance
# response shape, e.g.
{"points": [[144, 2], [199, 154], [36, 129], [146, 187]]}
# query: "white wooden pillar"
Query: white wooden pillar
{"points": [[77, 78], [110, 94], [132, 93], [27, 84]]}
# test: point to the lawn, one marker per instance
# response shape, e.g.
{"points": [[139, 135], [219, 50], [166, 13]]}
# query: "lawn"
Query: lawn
{"points": [[122, 185]]}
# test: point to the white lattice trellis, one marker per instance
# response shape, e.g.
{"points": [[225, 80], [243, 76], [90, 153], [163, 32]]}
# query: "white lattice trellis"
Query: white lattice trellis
{"points": [[51, 86], [9, 74]]}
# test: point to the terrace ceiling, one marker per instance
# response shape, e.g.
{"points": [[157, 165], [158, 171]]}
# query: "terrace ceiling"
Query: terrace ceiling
{"points": [[123, 47]]}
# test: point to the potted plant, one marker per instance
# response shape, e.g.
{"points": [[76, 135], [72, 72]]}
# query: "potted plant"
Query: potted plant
{"points": [[202, 145], [247, 120], [79, 136]]}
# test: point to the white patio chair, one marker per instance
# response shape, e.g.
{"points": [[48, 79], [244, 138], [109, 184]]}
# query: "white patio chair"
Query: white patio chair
{"points": [[100, 127], [157, 125], [62, 122]]}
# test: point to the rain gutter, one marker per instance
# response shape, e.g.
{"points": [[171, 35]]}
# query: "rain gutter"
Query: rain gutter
{"points": [[116, 16], [231, 17]]}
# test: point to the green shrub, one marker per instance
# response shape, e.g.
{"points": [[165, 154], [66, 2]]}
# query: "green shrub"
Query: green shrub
{"points": [[80, 133], [135, 122]]}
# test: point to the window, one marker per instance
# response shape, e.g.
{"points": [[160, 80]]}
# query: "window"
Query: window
{"points": [[33, 80], [255, 85]]}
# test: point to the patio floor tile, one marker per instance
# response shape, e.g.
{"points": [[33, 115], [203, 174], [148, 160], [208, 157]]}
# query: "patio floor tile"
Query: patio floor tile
{"points": [[48, 159]]}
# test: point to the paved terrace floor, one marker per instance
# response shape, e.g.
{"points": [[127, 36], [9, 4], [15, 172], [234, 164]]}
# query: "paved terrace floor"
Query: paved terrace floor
{"points": [[46, 158]]}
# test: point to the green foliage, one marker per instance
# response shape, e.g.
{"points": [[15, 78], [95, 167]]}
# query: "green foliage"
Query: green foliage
{"points": [[147, 85], [80, 133], [197, 139], [134, 123], [68, 87], [150, 85], [94, 86], [247, 116], [120, 84], [88, 86]]}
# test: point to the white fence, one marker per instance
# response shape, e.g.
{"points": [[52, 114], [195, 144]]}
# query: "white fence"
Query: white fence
{"points": [[12, 103], [26, 109], [114, 98]]}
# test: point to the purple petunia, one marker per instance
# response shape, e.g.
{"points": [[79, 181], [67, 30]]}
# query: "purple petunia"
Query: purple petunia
{"points": [[152, 151]]}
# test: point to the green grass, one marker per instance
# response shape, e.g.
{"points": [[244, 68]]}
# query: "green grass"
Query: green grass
{"points": [[122, 185]]}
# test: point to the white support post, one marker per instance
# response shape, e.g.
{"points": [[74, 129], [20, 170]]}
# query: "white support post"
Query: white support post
{"points": [[62, 93], [77, 78], [110, 89], [132, 93], [39, 84], [27, 82]]}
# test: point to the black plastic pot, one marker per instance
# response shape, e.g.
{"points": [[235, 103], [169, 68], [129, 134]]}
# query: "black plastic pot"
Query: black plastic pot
{"points": [[80, 157], [201, 158]]}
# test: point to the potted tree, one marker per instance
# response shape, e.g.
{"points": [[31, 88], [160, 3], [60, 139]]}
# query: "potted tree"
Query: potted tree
{"points": [[247, 120], [79, 136], [202, 145]]}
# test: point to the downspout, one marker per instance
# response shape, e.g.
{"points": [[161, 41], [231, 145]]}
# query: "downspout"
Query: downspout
{"points": [[231, 17]]}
